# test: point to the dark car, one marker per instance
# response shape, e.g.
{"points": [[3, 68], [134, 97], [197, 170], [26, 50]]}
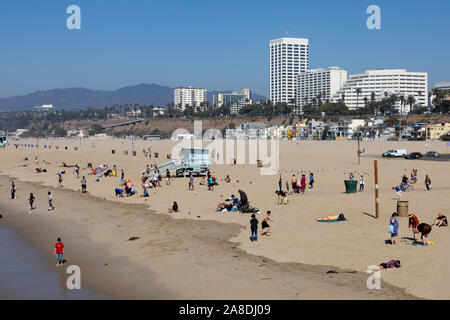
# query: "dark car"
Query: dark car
{"points": [[414, 155], [433, 154]]}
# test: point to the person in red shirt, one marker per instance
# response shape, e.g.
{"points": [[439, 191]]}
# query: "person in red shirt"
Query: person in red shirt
{"points": [[59, 251], [413, 223]]}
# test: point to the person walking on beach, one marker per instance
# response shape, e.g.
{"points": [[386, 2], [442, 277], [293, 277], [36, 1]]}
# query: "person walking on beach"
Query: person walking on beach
{"points": [[280, 184], [77, 171], [254, 228], [83, 185], [13, 191], [311, 180], [361, 184], [31, 201], [191, 182], [303, 184], [393, 227], [167, 177], [122, 176], [50, 201], [265, 225], [60, 180], [427, 182], [413, 223], [59, 251]]}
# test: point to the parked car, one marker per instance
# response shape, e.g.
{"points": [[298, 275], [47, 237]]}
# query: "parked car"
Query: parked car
{"points": [[433, 154], [395, 153], [414, 155]]}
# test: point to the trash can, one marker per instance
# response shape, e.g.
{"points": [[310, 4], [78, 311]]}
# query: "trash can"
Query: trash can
{"points": [[156, 155], [134, 153], [113, 151], [350, 186], [402, 208]]}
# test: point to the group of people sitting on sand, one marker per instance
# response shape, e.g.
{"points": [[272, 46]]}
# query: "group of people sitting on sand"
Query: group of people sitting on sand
{"points": [[230, 205]]}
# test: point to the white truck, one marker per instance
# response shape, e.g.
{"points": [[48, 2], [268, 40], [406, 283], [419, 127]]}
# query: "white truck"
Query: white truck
{"points": [[396, 153]]}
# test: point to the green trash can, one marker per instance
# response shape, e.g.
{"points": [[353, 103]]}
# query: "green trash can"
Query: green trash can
{"points": [[350, 186]]}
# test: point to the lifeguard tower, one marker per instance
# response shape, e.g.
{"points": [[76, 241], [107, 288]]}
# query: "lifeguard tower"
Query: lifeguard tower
{"points": [[195, 160], [3, 139]]}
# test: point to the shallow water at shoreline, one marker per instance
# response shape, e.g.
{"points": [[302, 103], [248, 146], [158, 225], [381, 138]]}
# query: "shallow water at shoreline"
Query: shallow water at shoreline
{"points": [[26, 274]]}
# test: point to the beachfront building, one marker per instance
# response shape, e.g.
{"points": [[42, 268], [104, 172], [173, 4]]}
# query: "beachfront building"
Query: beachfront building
{"points": [[189, 96], [436, 131], [234, 100], [288, 58], [390, 81], [320, 84]]}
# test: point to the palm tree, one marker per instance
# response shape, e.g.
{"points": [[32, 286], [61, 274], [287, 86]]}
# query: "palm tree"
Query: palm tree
{"points": [[411, 100], [358, 92], [372, 101], [402, 103]]}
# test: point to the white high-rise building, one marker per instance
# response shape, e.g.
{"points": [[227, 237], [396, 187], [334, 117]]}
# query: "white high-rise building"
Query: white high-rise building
{"points": [[234, 100], [390, 81], [189, 96], [288, 58], [325, 82]]}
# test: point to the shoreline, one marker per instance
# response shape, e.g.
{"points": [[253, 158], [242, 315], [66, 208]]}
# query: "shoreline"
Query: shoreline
{"points": [[290, 280]]}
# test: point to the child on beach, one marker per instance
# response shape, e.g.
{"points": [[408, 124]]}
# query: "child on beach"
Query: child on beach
{"points": [[50, 201], [174, 208], [303, 184], [59, 251], [254, 228], [393, 227], [311, 180], [60, 179], [83, 185], [265, 225], [31, 201]]}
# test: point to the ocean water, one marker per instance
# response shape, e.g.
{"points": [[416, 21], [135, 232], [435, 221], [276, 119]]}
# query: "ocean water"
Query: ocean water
{"points": [[25, 273]]}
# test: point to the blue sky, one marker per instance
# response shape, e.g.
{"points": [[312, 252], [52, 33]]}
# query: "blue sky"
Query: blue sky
{"points": [[209, 43]]}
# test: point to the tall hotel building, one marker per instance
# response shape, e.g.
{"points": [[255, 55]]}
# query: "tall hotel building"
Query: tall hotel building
{"points": [[189, 96], [397, 82], [288, 58], [325, 82]]}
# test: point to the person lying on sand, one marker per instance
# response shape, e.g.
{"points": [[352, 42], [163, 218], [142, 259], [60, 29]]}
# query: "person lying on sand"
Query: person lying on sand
{"points": [[64, 165], [388, 265], [174, 208], [339, 217]]}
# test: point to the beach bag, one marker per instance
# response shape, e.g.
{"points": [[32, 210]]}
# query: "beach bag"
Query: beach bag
{"points": [[391, 229]]}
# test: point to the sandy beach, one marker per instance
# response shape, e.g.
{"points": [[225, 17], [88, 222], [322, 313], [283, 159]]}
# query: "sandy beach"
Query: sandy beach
{"points": [[201, 254]]}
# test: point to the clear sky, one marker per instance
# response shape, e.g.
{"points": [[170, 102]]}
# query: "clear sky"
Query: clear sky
{"points": [[213, 44]]}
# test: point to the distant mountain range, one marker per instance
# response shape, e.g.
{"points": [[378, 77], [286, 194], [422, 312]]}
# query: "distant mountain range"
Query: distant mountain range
{"points": [[81, 98]]}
